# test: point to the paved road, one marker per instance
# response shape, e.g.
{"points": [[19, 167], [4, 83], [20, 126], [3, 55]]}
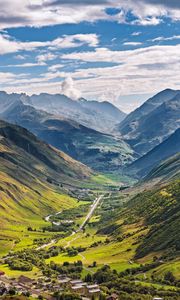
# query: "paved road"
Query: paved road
{"points": [[92, 209], [90, 213]]}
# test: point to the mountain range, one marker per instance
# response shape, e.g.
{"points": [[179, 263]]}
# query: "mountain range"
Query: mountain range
{"points": [[102, 152], [101, 116], [97, 133]]}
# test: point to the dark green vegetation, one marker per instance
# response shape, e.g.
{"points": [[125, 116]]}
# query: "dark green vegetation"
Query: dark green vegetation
{"points": [[102, 152], [124, 284], [158, 211], [161, 211]]}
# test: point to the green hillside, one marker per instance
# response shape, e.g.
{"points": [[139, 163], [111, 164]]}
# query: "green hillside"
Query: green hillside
{"points": [[160, 211], [35, 180]]}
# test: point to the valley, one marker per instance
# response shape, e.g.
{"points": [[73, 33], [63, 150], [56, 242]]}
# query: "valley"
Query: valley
{"points": [[88, 213]]}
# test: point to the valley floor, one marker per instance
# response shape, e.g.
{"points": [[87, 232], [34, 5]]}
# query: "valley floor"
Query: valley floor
{"points": [[74, 235]]}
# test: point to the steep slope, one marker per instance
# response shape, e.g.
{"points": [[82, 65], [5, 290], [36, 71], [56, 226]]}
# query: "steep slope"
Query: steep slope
{"points": [[7, 101], [100, 151], [156, 126], [166, 170], [101, 116], [33, 177], [164, 150], [160, 210], [130, 123], [147, 224]]}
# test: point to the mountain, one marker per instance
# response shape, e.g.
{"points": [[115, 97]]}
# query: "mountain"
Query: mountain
{"points": [[166, 170], [130, 123], [100, 151], [153, 122], [164, 150], [101, 116], [160, 210], [34, 177]]}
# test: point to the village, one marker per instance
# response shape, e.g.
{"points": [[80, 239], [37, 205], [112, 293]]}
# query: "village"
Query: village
{"points": [[45, 288]]}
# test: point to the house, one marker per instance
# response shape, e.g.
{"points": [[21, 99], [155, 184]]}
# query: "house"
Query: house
{"points": [[76, 281], [92, 286], [94, 292], [80, 289], [2, 273], [63, 281], [157, 298]]}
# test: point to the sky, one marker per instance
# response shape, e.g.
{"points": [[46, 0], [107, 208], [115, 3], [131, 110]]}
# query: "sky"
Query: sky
{"points": [[122, 51]]}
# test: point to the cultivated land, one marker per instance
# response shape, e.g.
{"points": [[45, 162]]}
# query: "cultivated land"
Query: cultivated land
{"points": [[107, 236]]}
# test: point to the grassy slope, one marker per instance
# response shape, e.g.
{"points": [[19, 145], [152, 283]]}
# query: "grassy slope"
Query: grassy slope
{"points": [[25, 194], [160, 210]]}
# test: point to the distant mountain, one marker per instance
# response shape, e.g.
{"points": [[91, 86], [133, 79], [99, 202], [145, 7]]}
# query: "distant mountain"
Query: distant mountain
{"points": [[153, 122], [166, 170], [101, 116], [100, 151], [34, 177], [164, 150], [130, 123]]}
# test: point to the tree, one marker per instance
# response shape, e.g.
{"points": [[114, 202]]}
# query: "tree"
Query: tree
{"points": [[94, 264], [169, 276], [88, 278]]}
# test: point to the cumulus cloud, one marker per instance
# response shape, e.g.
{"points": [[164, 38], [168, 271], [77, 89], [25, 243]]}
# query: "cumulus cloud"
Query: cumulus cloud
{"points": [[69, 89], [138, 71], [10, 45], [37, 13]]}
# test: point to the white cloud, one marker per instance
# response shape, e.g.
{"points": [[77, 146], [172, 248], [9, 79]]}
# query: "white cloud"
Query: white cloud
{"points": [[139, 71], [132, 43], [9, 45], [136, 33], [162, 38], [43, 58], [38, 13], [68, 89], [20, 57], [54, 68]]}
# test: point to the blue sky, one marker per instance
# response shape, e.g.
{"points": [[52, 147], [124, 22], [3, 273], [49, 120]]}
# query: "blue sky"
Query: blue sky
{"points": [[120, 51]]}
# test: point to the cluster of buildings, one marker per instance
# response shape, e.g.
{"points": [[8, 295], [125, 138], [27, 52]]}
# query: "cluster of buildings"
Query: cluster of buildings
{"points": [[80, 287], [46, 287]]}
